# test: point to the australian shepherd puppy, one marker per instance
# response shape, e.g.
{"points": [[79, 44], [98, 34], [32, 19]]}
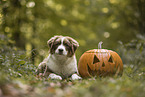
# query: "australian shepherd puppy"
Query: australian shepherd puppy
{"points": [[61, 62]]}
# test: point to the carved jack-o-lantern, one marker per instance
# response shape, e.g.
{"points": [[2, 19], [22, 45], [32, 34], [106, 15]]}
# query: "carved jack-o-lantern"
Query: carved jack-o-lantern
{"points": [[100, 62]]}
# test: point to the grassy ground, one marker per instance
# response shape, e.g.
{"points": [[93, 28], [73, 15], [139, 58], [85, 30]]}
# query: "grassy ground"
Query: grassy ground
{"points": [[18, 79], [129, 85]]}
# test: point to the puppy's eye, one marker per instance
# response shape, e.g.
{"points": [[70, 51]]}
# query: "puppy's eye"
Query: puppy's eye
{"points": [[57, 43], [66, 44]]}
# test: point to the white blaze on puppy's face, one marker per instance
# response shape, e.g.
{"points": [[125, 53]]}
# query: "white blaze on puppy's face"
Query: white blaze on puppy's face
{"points": [[64, 46], [61, 49]]}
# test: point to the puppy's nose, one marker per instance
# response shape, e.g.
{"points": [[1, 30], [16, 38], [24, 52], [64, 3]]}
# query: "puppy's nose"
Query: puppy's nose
{"points": [[60, 50]]}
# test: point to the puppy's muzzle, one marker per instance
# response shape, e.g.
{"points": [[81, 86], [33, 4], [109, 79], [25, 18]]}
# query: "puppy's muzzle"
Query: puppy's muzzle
{"points": [[60, 51]]}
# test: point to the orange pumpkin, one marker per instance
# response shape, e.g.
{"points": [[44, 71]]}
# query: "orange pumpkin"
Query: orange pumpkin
{"points": [[100, 62]]}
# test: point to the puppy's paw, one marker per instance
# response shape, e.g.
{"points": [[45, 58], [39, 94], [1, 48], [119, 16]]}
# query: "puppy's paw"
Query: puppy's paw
{"points": [[54, 76], [75, 77]]}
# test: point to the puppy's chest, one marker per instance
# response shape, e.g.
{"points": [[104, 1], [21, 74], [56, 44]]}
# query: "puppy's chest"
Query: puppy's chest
{"points": [[62, 68]]}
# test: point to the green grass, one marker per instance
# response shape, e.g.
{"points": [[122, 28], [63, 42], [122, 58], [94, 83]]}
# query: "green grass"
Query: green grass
{"points": [[18, 79], [30, 86]]}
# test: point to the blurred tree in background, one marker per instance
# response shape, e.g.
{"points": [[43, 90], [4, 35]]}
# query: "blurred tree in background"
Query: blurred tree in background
{"points": [[28, 24]]}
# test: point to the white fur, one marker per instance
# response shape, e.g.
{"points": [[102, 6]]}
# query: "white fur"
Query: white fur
{"points": [[61, 47], [54, 76], [62, 65], [75, 77]]}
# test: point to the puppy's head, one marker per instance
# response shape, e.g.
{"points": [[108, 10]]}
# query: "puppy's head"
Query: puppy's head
{"points": [[63, 45]]}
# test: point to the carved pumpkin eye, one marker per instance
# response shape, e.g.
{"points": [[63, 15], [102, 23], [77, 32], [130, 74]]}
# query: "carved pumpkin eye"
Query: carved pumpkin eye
{"points": [[111, 59], [96, 60]]}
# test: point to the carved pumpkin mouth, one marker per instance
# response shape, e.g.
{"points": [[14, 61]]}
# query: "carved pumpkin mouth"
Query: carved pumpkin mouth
{"points": [[93, 73]]}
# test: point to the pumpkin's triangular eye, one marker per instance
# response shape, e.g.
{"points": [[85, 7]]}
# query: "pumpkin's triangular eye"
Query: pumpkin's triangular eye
{"points": [[111, 59], [95, 59]]}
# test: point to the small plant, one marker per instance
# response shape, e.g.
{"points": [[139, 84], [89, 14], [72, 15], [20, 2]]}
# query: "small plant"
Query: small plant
{"points": [[15, 63]]}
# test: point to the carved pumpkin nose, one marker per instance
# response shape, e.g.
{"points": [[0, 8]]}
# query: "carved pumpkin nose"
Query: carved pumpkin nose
{"points": [[103, 65]]}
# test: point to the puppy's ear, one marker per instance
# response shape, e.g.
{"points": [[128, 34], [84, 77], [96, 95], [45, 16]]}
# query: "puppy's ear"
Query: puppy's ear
{"points": [[74, 44], [51, 41]]}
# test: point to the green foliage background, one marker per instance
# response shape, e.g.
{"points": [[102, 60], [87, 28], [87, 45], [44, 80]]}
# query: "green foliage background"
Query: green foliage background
{"points": [[26, 25]]}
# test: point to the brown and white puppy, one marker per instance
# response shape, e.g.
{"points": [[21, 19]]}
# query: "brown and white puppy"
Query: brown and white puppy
{"points": [[61, 62]]}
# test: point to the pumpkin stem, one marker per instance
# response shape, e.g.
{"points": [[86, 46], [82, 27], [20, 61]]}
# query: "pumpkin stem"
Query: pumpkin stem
{"points": [[100, 45]]}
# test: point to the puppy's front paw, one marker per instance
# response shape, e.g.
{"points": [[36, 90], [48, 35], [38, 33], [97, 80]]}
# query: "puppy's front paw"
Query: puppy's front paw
{"points": [[54, 76], [75, 77]]}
